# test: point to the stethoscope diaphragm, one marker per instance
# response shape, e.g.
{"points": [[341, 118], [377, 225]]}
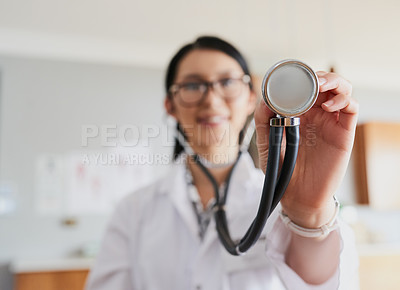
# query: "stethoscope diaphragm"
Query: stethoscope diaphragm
{"points": [[290, 88]]}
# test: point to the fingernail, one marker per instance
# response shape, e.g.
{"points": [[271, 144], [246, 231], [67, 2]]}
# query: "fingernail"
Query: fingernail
{"points": [[328, 103], [322, 81]]}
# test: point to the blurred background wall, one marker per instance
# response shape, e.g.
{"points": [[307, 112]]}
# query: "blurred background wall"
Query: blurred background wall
{"points": [[66, 66]]}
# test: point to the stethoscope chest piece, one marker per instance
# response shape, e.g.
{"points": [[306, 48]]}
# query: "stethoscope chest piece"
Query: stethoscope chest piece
{"points": [[290, 88]]}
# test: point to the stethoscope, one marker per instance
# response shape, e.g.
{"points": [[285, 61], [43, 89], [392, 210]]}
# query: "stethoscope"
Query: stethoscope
{"points": [[289, 88]]}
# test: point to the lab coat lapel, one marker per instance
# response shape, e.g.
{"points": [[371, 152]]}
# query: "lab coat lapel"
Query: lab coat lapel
{"points": [[239, 195], [179, 197], [243, 193]]}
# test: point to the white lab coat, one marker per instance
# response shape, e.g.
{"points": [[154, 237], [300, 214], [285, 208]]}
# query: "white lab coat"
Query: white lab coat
{"points": [[152, 243]]}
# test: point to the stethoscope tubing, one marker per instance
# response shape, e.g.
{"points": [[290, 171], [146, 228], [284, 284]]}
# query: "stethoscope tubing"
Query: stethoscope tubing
{"points": [[273, 190]]}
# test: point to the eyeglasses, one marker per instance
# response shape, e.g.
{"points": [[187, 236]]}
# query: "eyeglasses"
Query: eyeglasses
{"points": [[193, 93]]}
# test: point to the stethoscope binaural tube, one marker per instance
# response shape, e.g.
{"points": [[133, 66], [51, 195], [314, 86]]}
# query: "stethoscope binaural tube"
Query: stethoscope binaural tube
{"points": [[282, 83]]}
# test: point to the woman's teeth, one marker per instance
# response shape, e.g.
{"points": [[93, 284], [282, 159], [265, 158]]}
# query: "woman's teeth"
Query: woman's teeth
{"points": [[213, 120]]}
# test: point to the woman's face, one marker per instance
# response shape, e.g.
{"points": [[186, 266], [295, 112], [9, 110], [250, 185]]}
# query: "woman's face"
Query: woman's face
{"points": [[215, 122]]}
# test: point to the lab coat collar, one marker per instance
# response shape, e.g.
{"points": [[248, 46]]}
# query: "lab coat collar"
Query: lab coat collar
{"points": [[174, 185], [239, 193]]}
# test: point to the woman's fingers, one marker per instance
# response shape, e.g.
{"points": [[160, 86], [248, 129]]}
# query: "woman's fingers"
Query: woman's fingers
{"points": [[343, 103], [340, 92], [333, 82], [262, 116], [346, 109], [335, 96], [262, 113]]}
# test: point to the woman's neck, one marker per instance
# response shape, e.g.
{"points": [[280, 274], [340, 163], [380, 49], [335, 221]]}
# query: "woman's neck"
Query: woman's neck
{"points": [[219, 172], [217, 156]]}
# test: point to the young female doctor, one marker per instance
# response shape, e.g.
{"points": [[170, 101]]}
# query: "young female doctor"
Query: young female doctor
{"points": [[164, 236]]}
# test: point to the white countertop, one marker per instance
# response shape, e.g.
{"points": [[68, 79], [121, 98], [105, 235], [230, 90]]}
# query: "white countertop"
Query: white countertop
{"points": [[46, 265]]}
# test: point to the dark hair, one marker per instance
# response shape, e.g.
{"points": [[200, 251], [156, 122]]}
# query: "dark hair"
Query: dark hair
{"points": [[203, 42]]}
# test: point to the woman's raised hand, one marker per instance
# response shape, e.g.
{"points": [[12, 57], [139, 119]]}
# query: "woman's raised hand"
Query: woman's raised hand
{"points": [[326, 140]]}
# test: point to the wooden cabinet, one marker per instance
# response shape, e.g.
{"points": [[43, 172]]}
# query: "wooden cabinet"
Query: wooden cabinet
{"points": [[377, 164], [55, 280], [59, 274]]}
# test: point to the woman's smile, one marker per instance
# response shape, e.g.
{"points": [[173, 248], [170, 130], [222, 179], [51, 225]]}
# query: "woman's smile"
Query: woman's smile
{"points": [[212, 120]]}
